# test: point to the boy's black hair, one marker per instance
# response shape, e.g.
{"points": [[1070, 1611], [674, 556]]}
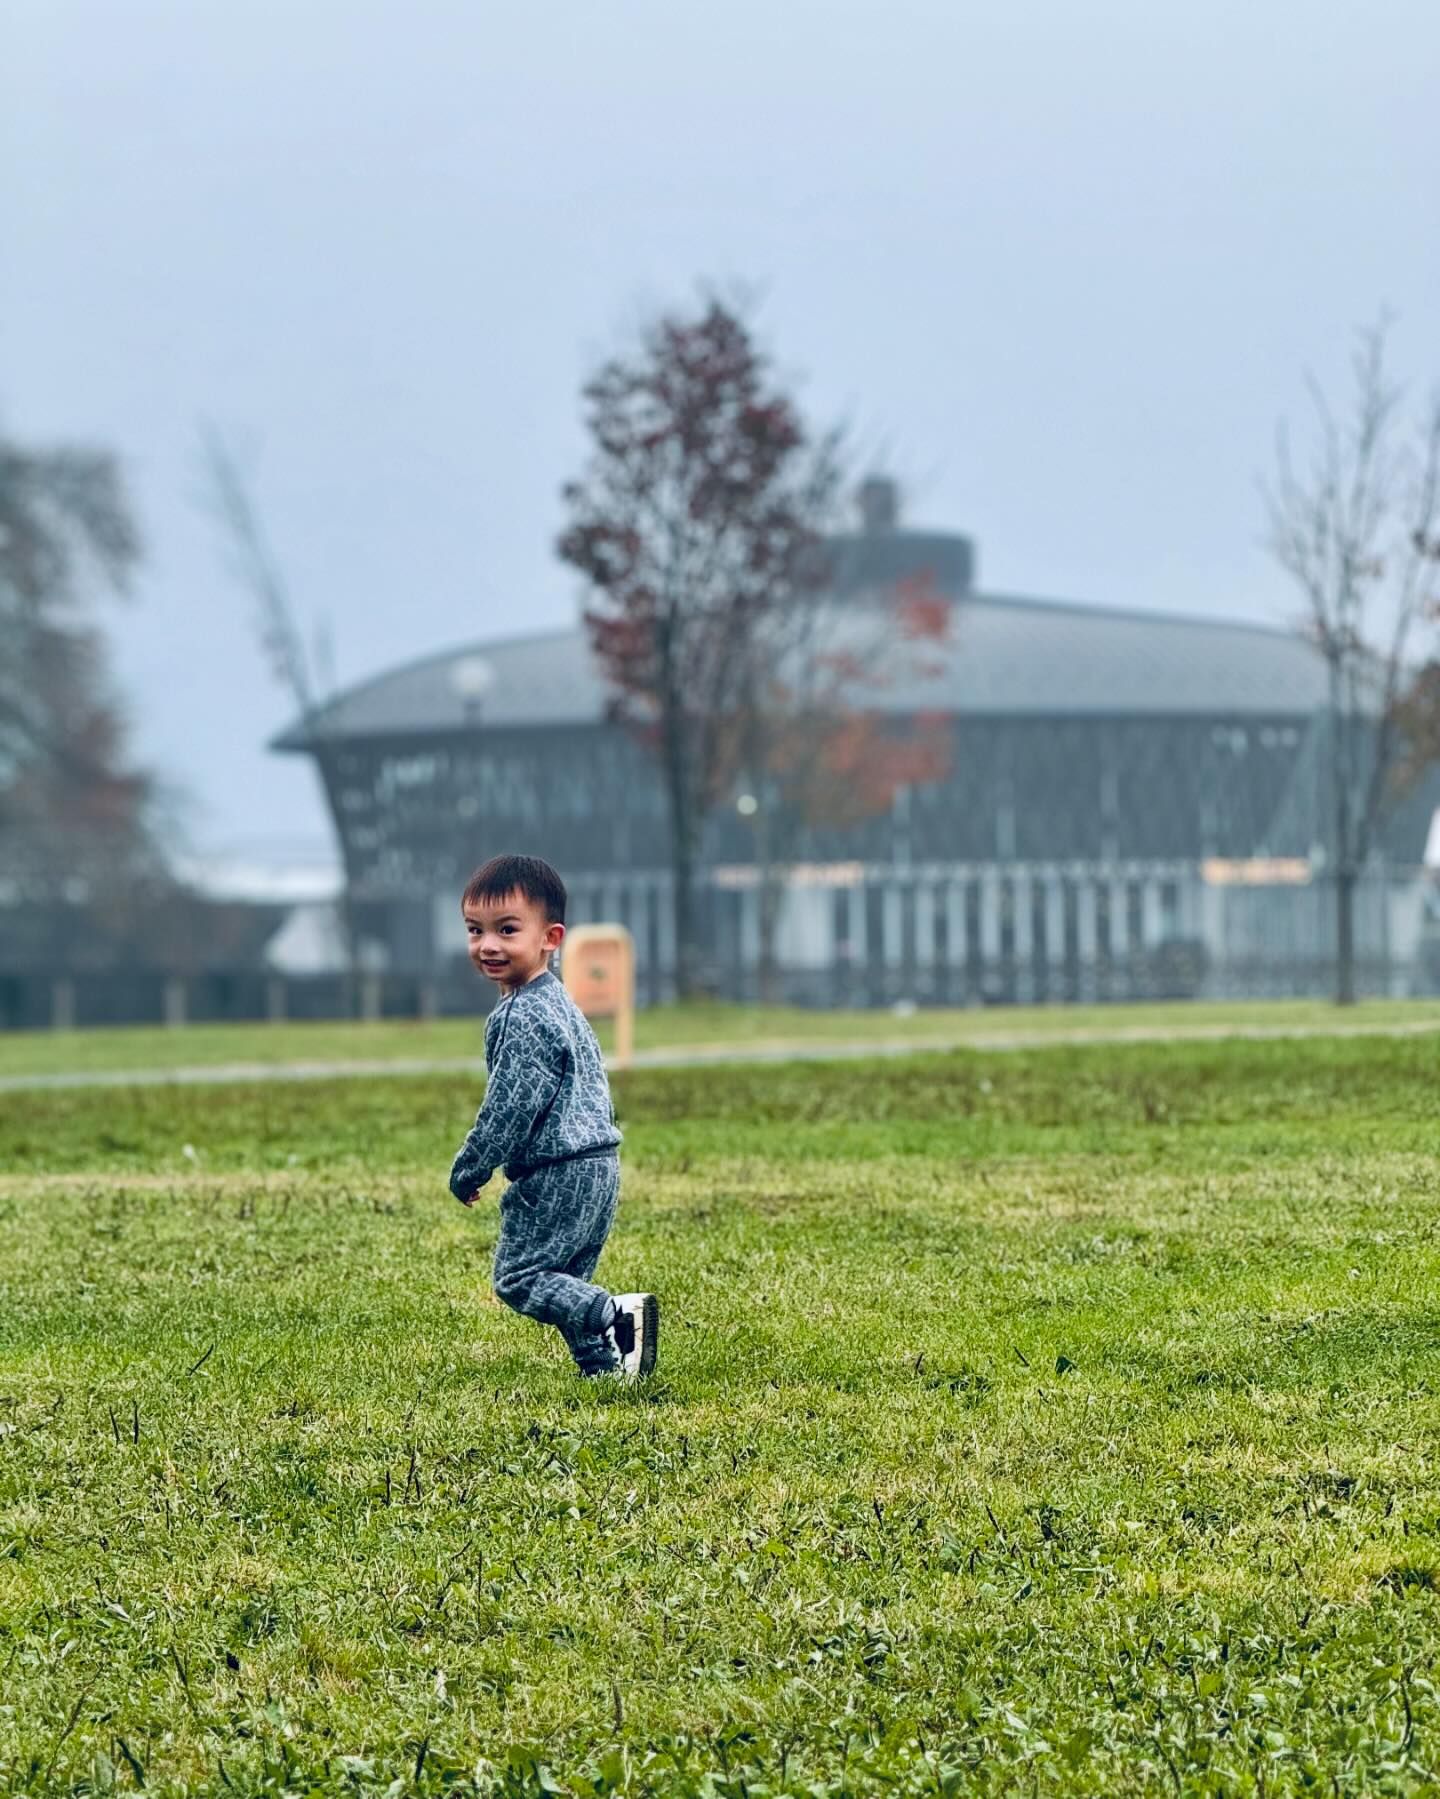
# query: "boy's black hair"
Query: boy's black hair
{"points": [[527, 875]]}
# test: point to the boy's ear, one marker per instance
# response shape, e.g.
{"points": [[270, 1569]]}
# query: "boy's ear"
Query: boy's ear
{"points": [[554, 937]]}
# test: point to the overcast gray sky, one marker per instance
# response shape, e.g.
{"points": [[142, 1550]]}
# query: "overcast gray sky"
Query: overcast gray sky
{"points": [[1066, 264]]}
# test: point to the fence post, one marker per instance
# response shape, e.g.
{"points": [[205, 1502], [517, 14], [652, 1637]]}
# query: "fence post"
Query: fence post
{"points": [[275, 999], [62, 1004], [174, 1001], [370, 997]]}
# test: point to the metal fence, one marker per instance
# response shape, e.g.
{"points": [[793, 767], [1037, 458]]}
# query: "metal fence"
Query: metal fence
{"points": [[851, 936], [67, 1000]]}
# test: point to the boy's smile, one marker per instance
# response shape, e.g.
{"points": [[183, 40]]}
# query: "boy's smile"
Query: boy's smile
{"points": [[510, 940]]}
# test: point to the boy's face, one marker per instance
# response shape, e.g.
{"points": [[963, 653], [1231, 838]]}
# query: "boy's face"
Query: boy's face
{"points": [[510, 939]]}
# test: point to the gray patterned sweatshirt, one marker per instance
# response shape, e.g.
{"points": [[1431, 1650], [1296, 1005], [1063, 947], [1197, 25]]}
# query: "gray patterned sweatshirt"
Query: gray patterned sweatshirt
{"points": [[547, 1099]]}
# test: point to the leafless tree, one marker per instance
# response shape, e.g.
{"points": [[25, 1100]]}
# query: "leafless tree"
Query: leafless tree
{"points": [[1356, 529], [73, 810], [256, 568]]}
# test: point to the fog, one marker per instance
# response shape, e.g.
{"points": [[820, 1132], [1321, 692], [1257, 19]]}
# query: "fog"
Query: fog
{"points": [[1061, 268]]}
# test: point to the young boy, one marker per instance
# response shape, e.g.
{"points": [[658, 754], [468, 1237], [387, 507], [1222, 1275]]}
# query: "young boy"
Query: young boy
{"points": [[548, 1121]]}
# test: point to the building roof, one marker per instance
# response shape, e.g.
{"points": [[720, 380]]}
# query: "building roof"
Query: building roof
{"points": [[1006, 655]]}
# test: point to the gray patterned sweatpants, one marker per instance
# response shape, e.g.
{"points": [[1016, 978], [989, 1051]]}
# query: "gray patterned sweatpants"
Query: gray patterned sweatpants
{"points": [[553, 1225]]}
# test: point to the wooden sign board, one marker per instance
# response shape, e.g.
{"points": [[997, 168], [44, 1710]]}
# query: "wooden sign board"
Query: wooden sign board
{"points": [[597, 965]]}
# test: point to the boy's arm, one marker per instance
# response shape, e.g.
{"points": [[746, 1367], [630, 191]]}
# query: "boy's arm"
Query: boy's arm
{"points": [[524, 1075]]}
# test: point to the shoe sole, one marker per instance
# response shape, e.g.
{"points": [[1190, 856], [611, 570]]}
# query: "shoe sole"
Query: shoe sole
{"points": [[647, 1328], [649, 1336]]}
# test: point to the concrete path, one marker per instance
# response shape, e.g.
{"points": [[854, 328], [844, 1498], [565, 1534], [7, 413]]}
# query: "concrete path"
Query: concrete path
{"points": [[698, 1055]]}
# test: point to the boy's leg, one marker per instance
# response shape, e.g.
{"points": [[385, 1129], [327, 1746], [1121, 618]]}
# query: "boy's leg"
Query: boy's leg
{"points": [[633, 1327], [592, 1346], [553, 1225]]}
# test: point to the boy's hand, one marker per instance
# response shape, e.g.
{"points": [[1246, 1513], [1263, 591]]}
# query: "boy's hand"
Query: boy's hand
{"points": [[466, 1179]]}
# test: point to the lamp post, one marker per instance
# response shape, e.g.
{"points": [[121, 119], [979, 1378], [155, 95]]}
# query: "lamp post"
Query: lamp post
{"points": [[472, 679]]}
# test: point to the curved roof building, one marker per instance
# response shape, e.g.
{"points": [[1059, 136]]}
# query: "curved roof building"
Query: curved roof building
{"points": [[1111, 773]]}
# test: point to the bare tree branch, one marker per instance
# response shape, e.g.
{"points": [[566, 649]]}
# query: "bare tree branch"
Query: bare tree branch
{"points": [[255, 567], [1356, 532], [72, 807]]}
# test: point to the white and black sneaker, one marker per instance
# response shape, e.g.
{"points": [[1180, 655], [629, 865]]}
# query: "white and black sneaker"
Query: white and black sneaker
{"points": [[637, 1332]]}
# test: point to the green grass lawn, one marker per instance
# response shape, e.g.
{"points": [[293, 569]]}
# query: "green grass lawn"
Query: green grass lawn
{"points": [[154, 1047], [1056, 1422]]}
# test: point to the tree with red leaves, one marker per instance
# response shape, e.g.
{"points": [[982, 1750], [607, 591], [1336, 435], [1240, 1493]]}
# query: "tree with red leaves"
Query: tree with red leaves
{"points": [[821, 746], [697, 520]]}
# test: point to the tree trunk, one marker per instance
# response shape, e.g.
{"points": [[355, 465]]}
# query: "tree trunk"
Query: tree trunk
{"points": [[1345, 935], [683, 846], [769, 896], [1340, 774], [683, 800], [682, 868], [769, 889]]}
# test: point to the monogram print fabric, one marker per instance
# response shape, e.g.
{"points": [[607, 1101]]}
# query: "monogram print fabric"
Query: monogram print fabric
{"points": [[553, 1225], [547, 1099]]}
